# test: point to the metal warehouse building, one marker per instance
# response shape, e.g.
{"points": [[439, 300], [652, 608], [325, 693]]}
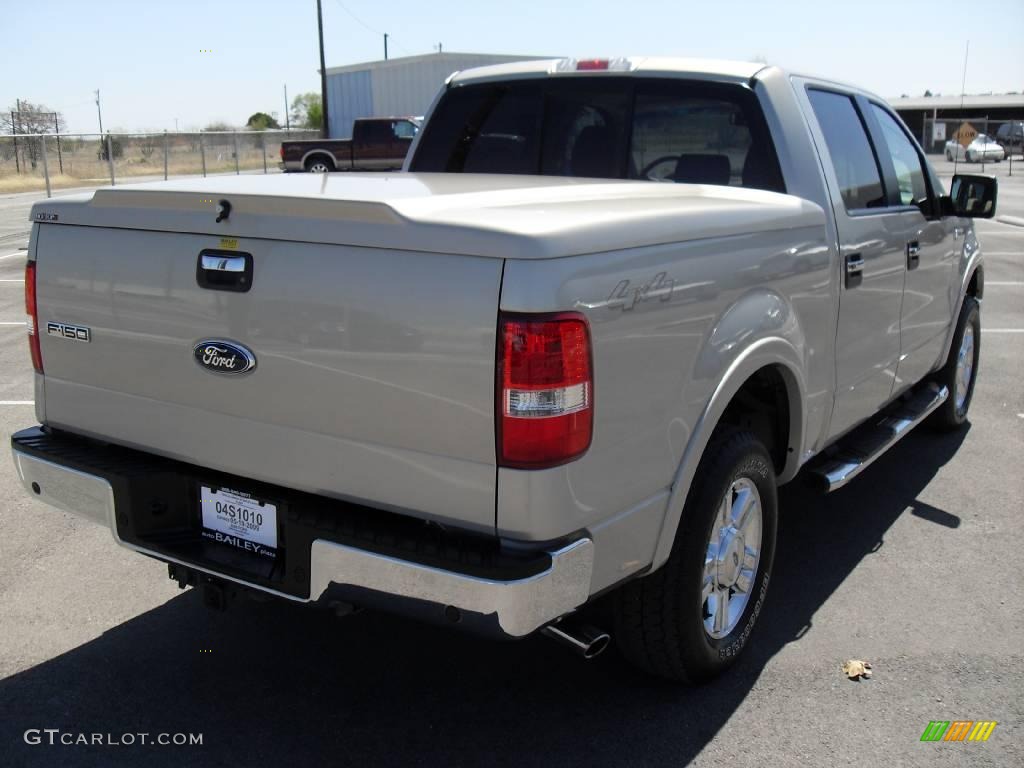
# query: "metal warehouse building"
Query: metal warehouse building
{"points": [[403, 86]]}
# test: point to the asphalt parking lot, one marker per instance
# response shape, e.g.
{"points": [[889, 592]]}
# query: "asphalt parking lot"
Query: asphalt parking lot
{"points": [[916, 567]]}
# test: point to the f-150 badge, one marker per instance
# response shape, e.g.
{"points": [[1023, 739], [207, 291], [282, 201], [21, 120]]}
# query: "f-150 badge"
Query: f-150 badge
{"points": [[65, 331], [219, 356]]}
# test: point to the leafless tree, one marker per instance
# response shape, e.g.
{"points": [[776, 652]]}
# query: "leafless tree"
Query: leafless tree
{"points": [[26, 117]]}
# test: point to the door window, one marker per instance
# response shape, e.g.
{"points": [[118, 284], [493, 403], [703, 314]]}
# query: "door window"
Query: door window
{"points": [[376, 132], [860, 180], [403, 129], [905, 160]]}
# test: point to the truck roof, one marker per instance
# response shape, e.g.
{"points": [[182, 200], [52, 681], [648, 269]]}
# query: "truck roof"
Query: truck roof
{"points": [[717, 69]]}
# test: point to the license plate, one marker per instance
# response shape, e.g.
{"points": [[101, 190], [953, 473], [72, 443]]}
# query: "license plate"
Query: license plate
{"points": [[239, 520]]}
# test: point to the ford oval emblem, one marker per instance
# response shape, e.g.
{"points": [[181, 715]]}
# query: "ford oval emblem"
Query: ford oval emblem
{"points": [[221, 356]]}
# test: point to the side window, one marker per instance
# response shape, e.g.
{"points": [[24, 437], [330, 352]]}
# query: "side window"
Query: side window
{"points": [[909, 174], [860, 182], [375, 132], [403, 129]]}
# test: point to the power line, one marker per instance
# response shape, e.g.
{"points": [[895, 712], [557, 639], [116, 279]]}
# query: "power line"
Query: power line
{"points": [[370, 29]]}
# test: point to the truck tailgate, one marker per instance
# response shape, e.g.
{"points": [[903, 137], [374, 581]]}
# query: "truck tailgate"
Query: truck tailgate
{"points": [[374, 376]]}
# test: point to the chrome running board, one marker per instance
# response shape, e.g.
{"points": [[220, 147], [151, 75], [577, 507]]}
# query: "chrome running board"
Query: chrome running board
{"points": [[858, 450]]}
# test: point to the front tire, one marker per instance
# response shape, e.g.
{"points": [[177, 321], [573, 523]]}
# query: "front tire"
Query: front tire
{"points": [[960, 372], [689, 620]]}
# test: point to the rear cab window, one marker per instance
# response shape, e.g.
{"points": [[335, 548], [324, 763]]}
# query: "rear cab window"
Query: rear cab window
{"points": [[658, 129]]}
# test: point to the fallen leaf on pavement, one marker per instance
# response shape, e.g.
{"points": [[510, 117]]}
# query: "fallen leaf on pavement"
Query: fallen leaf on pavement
{"points": [[855, 668]]}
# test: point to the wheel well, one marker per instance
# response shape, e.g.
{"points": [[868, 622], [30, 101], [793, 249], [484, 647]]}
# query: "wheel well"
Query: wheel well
{"points": [[976, 287], [762, 406], [318, 156]]}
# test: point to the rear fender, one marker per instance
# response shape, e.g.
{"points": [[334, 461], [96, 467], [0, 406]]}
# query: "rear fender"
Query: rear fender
{"points": [[781, 351], [319, 151]]}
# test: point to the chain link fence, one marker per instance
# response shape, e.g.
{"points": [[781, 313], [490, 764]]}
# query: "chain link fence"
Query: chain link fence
{"points": [[974, 140], [38, 162]]}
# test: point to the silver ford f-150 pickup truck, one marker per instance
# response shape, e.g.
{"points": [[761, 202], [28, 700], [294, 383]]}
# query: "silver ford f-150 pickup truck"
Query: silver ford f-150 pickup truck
{"points": [[570, 352]]}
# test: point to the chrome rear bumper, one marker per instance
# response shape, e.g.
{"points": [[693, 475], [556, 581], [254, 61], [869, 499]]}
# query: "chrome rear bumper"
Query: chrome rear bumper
{"points": [[520, 606]]}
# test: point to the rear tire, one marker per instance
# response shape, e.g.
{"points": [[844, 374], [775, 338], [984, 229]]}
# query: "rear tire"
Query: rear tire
{"points": [[960, 372], [689, 620], [318, 165]]}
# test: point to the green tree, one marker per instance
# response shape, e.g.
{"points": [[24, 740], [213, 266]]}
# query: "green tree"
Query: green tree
{"points": [[307, 110], [218, 125], [261, 121]]}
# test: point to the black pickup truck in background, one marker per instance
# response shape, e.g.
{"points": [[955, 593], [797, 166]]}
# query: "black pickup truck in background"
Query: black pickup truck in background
{"points": [[377, 144], [1010, 136]]}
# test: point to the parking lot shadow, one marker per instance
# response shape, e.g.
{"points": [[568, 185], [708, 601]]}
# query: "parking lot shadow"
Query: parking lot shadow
{"points": [[270, 683]]}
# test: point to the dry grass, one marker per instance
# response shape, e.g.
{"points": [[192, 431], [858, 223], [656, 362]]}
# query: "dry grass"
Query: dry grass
{"points": [[93, 174], [33, 183]]}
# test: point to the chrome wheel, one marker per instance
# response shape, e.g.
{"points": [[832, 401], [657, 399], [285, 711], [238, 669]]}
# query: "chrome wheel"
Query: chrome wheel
{"points": [[318, 166], [964, 367], [733, 554]]}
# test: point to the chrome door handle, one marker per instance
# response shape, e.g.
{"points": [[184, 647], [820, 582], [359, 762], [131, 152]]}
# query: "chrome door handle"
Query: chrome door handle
{"points": [[218, 263], [854, 270], [913, 254]]}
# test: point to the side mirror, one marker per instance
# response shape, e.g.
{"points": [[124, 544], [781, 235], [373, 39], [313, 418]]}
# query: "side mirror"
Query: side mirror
{"points": [[972, 196]]}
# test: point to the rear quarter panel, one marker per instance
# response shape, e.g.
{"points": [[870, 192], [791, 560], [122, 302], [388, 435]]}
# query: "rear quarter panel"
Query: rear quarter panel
{"points": [[669, 324]]}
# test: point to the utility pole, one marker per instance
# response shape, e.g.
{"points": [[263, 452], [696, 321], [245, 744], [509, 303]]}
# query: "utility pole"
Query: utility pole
{"points": [[287, 120], [56, 129], [99, 112], [14, 133], [385, 46], [18, 113], [324, 120]]}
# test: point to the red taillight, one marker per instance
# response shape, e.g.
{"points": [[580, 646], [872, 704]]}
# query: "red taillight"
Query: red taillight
{"points": [[282, 151], [545, 390], [32, 316], [584, 65]]}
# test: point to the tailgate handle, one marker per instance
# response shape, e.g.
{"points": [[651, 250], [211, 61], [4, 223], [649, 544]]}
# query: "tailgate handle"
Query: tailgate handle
{"points": [[214, 263], [219, 270]]}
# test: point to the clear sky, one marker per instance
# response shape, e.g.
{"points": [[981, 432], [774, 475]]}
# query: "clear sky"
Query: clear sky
{"points": [[147, 56]]}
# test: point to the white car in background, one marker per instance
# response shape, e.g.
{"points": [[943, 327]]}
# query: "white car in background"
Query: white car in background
{"points": [[982, 149]]}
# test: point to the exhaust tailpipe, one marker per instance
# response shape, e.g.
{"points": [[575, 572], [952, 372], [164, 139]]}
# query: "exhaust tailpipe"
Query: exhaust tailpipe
{"points": [[586, 640]]}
